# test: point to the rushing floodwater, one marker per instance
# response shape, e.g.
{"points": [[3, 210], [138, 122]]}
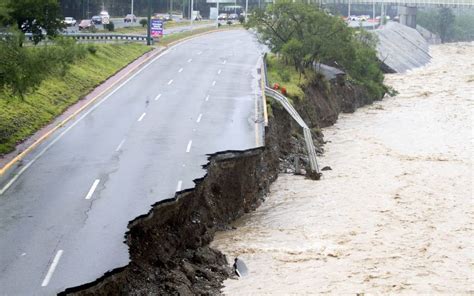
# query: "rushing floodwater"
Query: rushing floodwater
{"points": [[396, 212]]}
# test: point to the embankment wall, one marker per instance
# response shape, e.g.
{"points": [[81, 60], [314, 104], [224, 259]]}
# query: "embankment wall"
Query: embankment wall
{"points": [[401, 48]]}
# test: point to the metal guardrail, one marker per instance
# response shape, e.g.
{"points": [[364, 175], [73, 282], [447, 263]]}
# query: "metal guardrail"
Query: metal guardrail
{"points": [[97, 37], [292, 111], [306, 131]]}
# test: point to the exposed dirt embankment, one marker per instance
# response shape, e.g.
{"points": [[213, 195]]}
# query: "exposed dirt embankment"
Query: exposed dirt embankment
{"points": [[169, 246], [322, 103]]}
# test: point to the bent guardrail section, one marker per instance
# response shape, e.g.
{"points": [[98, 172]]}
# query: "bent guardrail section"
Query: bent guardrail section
{"points": [[306, 131]]}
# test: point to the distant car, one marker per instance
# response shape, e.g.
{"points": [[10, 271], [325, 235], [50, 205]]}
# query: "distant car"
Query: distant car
{"points": [[163, 17], [105, 17], [86, 25], [129, 18], [69, 21], [233, 16], [222, 17], [96, 19]]}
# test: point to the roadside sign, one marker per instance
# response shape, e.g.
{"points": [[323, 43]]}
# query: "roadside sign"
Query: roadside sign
{"points": [[156, 28]]}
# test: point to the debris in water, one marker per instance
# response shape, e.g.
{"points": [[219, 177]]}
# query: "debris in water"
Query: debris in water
{"points": [[240, 267]]}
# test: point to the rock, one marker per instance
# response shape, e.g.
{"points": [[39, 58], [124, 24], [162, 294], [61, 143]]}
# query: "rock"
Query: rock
{"points": [[326, 168]]}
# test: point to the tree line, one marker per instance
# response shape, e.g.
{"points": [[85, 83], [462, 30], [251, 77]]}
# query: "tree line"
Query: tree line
{"points": [[22, 68], [304, 35], [450, 27]]}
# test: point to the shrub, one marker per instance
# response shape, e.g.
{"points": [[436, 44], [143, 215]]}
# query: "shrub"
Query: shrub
{"points": [[143, 22], [229, 23], [241, 19], [285, 76], [92, 49], [110, 26]]}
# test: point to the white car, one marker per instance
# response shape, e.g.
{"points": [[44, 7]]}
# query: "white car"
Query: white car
{"points": [[69, 21], [104, 15]]}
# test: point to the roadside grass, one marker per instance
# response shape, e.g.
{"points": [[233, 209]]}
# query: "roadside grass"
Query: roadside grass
{"points": [[286, 76], [20, 118]]}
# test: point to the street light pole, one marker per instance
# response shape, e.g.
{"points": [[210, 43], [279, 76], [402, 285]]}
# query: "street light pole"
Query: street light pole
{"points": [[373, 14], [217, 13], [131, 10], [349, 10], [246, 10], [192, 9], [148, 31]]}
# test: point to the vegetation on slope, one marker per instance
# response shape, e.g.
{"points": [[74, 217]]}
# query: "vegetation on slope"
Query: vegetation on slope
{"points": [[302, 35]]}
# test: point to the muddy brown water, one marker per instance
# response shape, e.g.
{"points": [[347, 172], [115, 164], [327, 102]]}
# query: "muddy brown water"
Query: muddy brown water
{"points": [[395, 215]]}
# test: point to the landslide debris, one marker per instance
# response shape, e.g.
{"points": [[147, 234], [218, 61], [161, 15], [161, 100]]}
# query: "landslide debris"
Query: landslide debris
{"points": [[169, 246]]}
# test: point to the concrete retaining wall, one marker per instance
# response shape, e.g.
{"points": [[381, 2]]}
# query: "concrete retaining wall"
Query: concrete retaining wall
{"points": [[401, 48]]}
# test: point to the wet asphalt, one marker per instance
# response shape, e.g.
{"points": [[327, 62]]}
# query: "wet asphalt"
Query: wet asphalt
{"points": [[62, 222]]}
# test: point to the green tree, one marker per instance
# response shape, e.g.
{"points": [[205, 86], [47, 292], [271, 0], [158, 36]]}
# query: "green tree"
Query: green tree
{"points": [[445, 24], [40, 17], [4, 15], [303, 35]]}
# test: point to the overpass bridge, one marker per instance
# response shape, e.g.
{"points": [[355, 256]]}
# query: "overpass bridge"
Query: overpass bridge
{"points": [[406, 8], [417, 3]]}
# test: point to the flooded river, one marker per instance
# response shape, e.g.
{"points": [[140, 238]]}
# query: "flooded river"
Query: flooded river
{"points": [[395, 214]]}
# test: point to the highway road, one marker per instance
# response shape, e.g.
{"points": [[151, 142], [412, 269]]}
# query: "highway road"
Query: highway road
{"points": [[119, 23], [63, 220]]}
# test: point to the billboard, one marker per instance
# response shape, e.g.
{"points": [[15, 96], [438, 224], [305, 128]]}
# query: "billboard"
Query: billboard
{"points": [[156, 28]]}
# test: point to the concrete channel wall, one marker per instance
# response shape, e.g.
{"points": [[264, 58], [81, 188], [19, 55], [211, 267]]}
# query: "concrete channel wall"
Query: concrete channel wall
{"points": [[401, 48]]}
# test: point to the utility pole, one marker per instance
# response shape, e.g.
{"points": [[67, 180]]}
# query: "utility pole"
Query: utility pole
{"points": [[131, 10], [217, 13], [148, 31]]}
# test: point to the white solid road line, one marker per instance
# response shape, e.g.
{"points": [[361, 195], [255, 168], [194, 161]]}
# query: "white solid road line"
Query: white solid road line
{"points": [[180, 183], [189, 146], [207, 98], [214, 83], [157, 97], [93, 188], [219, 72], [171, 81], [190, 60], [180, 70], [120, 145], [199, 118], [53, 266], [141, 117]]}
